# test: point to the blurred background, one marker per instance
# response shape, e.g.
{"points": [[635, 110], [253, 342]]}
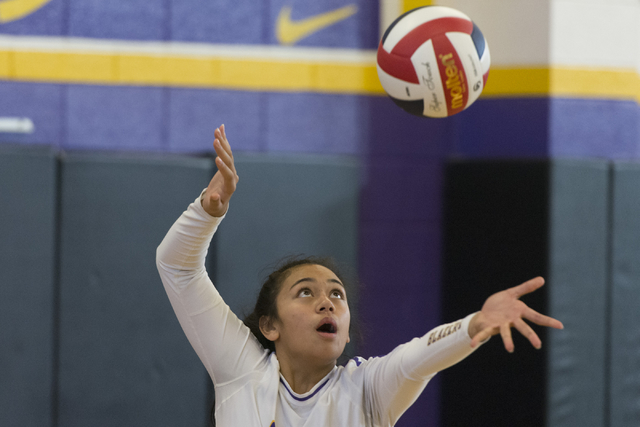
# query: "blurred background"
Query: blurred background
{"points": [[107, 112]]}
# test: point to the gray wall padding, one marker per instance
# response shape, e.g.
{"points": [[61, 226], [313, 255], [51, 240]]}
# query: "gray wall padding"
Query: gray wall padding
{"points": [[286, 205], [625, 308], [123, 358], [505, 222], [578, 293], [27, 236]]}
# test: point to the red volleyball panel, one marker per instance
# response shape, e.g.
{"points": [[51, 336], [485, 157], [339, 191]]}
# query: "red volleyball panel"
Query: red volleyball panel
{"points": [[423, 32], [398, 63], [397, 66], [454, 79]]}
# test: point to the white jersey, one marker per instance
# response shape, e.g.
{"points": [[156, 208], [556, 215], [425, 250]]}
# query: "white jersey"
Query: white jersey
{"points": [[249, 389]]}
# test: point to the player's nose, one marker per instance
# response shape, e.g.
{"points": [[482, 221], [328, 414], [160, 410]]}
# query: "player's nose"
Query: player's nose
{"points": [[325, 304]]}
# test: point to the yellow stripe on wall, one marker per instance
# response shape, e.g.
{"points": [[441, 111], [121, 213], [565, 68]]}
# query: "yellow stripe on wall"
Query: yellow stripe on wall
{"points": [[596, 83], [407, 5], [272, 74], [219, 72], [564, 82], [62, 67], [518, 82], [5, 65]]}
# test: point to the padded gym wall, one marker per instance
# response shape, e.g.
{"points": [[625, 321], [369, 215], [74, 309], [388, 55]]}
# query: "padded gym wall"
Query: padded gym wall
{"points": [[93, 339], [578, 292], [122, 354], [27, 266], [506, 222], [123, 357], [625, 297]]}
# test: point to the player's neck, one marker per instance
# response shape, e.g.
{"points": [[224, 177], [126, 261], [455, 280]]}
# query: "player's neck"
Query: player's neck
{"points": [[302, 376]]}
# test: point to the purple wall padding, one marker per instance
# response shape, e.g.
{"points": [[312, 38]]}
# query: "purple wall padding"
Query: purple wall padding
{"points": [[42, 103], [115, 118], [200, 21], [588, 128], [49, 20], [502, 128], [400, 237], [118, 19]]}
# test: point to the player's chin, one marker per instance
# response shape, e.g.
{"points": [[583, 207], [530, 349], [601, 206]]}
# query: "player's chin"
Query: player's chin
{"points": [[333, 346], [327, 336]]}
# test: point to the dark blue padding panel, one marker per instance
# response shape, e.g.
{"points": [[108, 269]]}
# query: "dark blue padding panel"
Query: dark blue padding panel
{"points": [[625, 300], [123, 358], [495, 237], [27, 236], [577, 292], [286, 205], [506, 222]]}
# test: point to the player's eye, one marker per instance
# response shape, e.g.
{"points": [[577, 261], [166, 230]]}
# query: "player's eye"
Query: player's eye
{"points": [[305, 292], [337, 294]]}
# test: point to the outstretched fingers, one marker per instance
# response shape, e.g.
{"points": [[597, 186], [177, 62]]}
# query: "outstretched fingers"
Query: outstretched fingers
{"points": [[225, 161], [227, 187], [527, 287], [528, 333], [504, 310], [482, 336], [505, 333], [541, 319], [221, 137]]}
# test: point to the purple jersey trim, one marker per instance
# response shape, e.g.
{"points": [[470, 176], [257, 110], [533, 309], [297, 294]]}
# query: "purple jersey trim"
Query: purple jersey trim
{"points": [[302, 399]]}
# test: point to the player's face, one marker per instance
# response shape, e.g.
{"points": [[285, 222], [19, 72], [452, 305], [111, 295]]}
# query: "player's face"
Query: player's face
{"points": [[313, 315]]}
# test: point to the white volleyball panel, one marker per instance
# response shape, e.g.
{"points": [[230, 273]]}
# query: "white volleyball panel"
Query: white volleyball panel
{"points": [[426, 65], [399, 89], [485, 61], [463, 44]]}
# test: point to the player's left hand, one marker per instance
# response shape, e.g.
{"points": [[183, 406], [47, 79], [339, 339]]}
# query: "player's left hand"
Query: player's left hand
{"points": [[504, 310]]}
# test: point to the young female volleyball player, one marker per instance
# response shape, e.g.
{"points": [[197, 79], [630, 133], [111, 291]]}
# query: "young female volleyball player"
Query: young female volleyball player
{"points": [[282, 371]]}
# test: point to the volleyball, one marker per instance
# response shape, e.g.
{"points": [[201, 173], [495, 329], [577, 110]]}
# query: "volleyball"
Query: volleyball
{"points": [[433, 61]]}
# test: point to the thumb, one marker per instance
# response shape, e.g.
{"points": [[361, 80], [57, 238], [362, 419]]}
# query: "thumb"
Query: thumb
{"points": [[212, 204]]}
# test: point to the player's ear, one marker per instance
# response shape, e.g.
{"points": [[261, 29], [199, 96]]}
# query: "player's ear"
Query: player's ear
{"points": [[268, 328]]}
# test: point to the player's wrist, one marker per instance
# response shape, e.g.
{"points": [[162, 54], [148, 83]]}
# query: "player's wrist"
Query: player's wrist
{"points": [[475, 325]]}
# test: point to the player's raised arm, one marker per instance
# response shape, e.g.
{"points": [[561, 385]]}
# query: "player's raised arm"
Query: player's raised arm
{"points": [[504, 310], [215, 200]]}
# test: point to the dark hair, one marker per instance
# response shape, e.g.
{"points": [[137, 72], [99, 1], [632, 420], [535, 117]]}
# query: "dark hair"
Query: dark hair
{"points": [[266, 302]]}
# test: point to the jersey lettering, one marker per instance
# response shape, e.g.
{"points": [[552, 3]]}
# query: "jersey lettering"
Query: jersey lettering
{"points": [[443, 332]]}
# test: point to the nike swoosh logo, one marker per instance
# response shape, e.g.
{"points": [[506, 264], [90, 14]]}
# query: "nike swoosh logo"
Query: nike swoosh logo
{"points": [[289, 32], [12, 10]]}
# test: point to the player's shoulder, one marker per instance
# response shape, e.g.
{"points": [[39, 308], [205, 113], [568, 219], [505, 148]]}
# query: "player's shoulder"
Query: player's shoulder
{"points": [[349, 379], [354, 367], [354, 363]]}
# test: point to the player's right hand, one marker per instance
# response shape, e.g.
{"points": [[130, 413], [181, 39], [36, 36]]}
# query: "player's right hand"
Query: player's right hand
{"points": [[215, 200]]}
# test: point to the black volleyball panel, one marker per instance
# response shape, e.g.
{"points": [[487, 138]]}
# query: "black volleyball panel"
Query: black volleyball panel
{"points": [[27, 285], [123, 357], [414, 107], [625, 297], [506, 222]]}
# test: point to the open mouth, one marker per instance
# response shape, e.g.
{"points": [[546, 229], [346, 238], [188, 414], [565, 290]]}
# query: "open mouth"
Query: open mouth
{"points": [[327, 326]]}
